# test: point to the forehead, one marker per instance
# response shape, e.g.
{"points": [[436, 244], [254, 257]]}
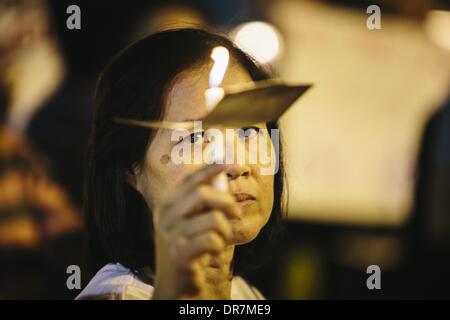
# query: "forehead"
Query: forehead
{"points": [[185, 99]]}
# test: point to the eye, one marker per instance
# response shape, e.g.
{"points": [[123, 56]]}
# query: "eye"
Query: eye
{"points": [[247, 132], [195, 137]]}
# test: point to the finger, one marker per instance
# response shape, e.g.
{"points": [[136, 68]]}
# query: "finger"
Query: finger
{"points": [[188, 184], [211, 221], [192, 277], [202, 198], [197, 246], [198, 177]]}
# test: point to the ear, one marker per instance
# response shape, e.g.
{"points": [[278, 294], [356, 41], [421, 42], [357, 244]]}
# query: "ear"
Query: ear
{"points": [[133, 181]]}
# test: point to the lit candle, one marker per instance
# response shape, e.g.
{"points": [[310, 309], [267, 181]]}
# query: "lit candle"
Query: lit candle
{"points": [[213, 95]]}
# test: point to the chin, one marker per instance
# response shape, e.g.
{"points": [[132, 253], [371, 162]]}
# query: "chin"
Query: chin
{"points": [[245, 231]]}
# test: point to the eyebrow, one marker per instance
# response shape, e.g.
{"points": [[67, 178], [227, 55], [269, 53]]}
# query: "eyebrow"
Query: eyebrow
{"points": [[190, 120]]}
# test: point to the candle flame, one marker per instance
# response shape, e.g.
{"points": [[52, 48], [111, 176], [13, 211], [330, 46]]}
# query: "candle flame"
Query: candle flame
{"points": [[220, 56]]}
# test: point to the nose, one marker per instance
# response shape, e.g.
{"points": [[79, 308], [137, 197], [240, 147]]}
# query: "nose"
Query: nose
{"points": [[235, 171], [236, 168]]}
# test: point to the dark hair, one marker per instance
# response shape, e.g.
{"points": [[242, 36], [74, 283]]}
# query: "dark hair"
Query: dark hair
{"points": [[4, 102], [134, 85]]}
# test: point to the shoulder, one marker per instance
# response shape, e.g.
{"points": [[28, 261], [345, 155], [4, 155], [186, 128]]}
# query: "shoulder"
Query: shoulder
{"points": [[115, 282]]}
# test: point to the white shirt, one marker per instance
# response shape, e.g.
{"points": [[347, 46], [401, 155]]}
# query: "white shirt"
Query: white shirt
{"points": [[116, 282]]}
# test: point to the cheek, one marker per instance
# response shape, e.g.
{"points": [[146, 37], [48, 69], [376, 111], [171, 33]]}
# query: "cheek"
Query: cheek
{"points": [[162, 178]]}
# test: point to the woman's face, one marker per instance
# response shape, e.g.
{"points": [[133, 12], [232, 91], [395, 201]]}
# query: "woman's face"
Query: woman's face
{"points": [[159, 175]]}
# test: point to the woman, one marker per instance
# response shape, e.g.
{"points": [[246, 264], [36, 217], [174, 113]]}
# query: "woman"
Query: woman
{"points": [[160, 230]]}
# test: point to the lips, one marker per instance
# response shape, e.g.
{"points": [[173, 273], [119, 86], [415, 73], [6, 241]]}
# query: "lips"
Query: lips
{"points": [[244, 199]]}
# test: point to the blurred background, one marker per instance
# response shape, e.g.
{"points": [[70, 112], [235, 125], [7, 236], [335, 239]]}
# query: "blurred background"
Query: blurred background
{"points": [[367, 149]]}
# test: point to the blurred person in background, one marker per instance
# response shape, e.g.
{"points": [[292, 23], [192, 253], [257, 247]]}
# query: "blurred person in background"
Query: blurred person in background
{"points": [[46, 103], [32, 67], [40, 226], [430, 223]]}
